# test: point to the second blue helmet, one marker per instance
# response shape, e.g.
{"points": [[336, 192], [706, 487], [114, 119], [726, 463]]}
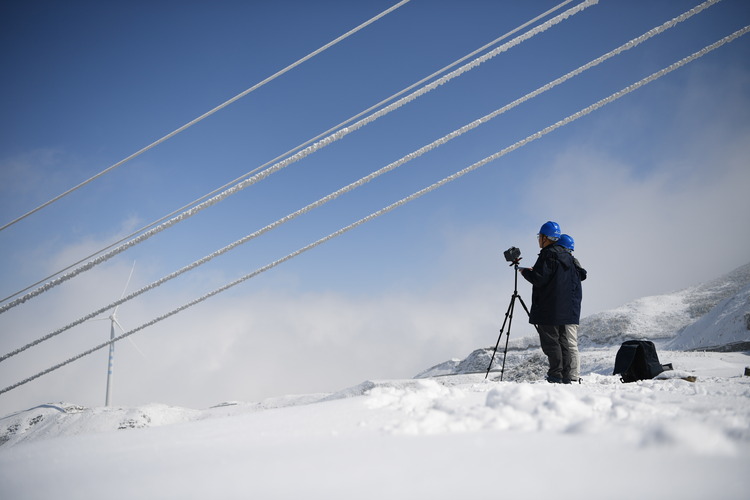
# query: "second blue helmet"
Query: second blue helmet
{"points": [[567, 242]]}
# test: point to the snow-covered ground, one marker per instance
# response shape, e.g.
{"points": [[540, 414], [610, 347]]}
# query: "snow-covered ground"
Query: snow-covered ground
{"points": [[444, 434]]}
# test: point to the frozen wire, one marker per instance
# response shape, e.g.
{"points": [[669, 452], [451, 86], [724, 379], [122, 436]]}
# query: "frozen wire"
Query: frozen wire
{"points": [[456, 133], [207, 114], [295, 149], [517, 145], [300, 155]]}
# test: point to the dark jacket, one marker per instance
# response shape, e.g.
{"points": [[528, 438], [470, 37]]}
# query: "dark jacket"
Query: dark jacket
{"points": [[556, 294]]}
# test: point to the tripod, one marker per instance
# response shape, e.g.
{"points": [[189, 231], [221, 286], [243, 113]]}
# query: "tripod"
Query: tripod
{"points": [[509, 321]]}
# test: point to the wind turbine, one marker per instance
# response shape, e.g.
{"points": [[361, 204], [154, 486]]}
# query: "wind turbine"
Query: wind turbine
{"points": [[113, 321]]}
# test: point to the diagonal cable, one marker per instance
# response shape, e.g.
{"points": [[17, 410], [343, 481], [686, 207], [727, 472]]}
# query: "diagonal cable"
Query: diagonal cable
{"points": [[207, 114], [300, 155], [294, 149], [575, 116]]}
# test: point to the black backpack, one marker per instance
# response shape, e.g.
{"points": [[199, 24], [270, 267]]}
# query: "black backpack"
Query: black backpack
{"points": [[637, 360]]}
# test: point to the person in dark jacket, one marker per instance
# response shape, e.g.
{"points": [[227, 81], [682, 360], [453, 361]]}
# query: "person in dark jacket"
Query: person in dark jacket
{"points": [[555, 300]]}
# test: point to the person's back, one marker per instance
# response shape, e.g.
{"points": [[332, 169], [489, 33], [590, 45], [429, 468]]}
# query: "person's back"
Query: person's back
{"points": [[556, 292]]}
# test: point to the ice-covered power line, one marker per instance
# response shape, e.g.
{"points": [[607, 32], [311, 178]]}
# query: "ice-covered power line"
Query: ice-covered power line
{"points": [[575, 116], [301, 154], [294, 149], [208, 113], [456, 133]]}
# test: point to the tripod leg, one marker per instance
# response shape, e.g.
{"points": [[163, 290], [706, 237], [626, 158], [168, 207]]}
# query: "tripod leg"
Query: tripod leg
{"points": [[508, 312], [524, 305], [507, 337], [527, 311]]}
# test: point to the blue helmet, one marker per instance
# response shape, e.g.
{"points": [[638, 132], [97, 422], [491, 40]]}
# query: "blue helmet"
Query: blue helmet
{"points": [[567, 242], [551, 230]]}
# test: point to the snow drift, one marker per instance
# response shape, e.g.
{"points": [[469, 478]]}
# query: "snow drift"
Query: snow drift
{"points": [[447, 432]]}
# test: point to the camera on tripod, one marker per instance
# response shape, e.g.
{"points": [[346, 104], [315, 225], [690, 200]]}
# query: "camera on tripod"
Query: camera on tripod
{"points": [[512, 255]]}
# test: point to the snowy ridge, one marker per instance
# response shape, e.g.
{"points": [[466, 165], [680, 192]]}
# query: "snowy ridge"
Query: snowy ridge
{"points": [[726, 326], [664, 316], [61, 419]]}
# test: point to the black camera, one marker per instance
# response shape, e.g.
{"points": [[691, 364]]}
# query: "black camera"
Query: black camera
{"points": [[513, 255]]}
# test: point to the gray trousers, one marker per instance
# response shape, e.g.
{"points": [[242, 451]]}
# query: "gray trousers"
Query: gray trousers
{"points": [[560, 344]]}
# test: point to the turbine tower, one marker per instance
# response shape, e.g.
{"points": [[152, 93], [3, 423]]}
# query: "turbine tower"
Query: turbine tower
{"points": [[113, 321]]}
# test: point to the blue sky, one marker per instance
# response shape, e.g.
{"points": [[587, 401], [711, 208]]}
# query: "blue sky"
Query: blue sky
{"points": [[653, 186]]}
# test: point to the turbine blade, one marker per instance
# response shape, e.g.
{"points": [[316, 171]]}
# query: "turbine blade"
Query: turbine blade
{"points": [[128, 281], [125, 288], [118, 323], [138, 348], [130, 339]]}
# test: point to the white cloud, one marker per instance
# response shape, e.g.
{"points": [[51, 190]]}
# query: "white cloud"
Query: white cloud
{"points": [[676, 222], [653, 189], [246, 345]]}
